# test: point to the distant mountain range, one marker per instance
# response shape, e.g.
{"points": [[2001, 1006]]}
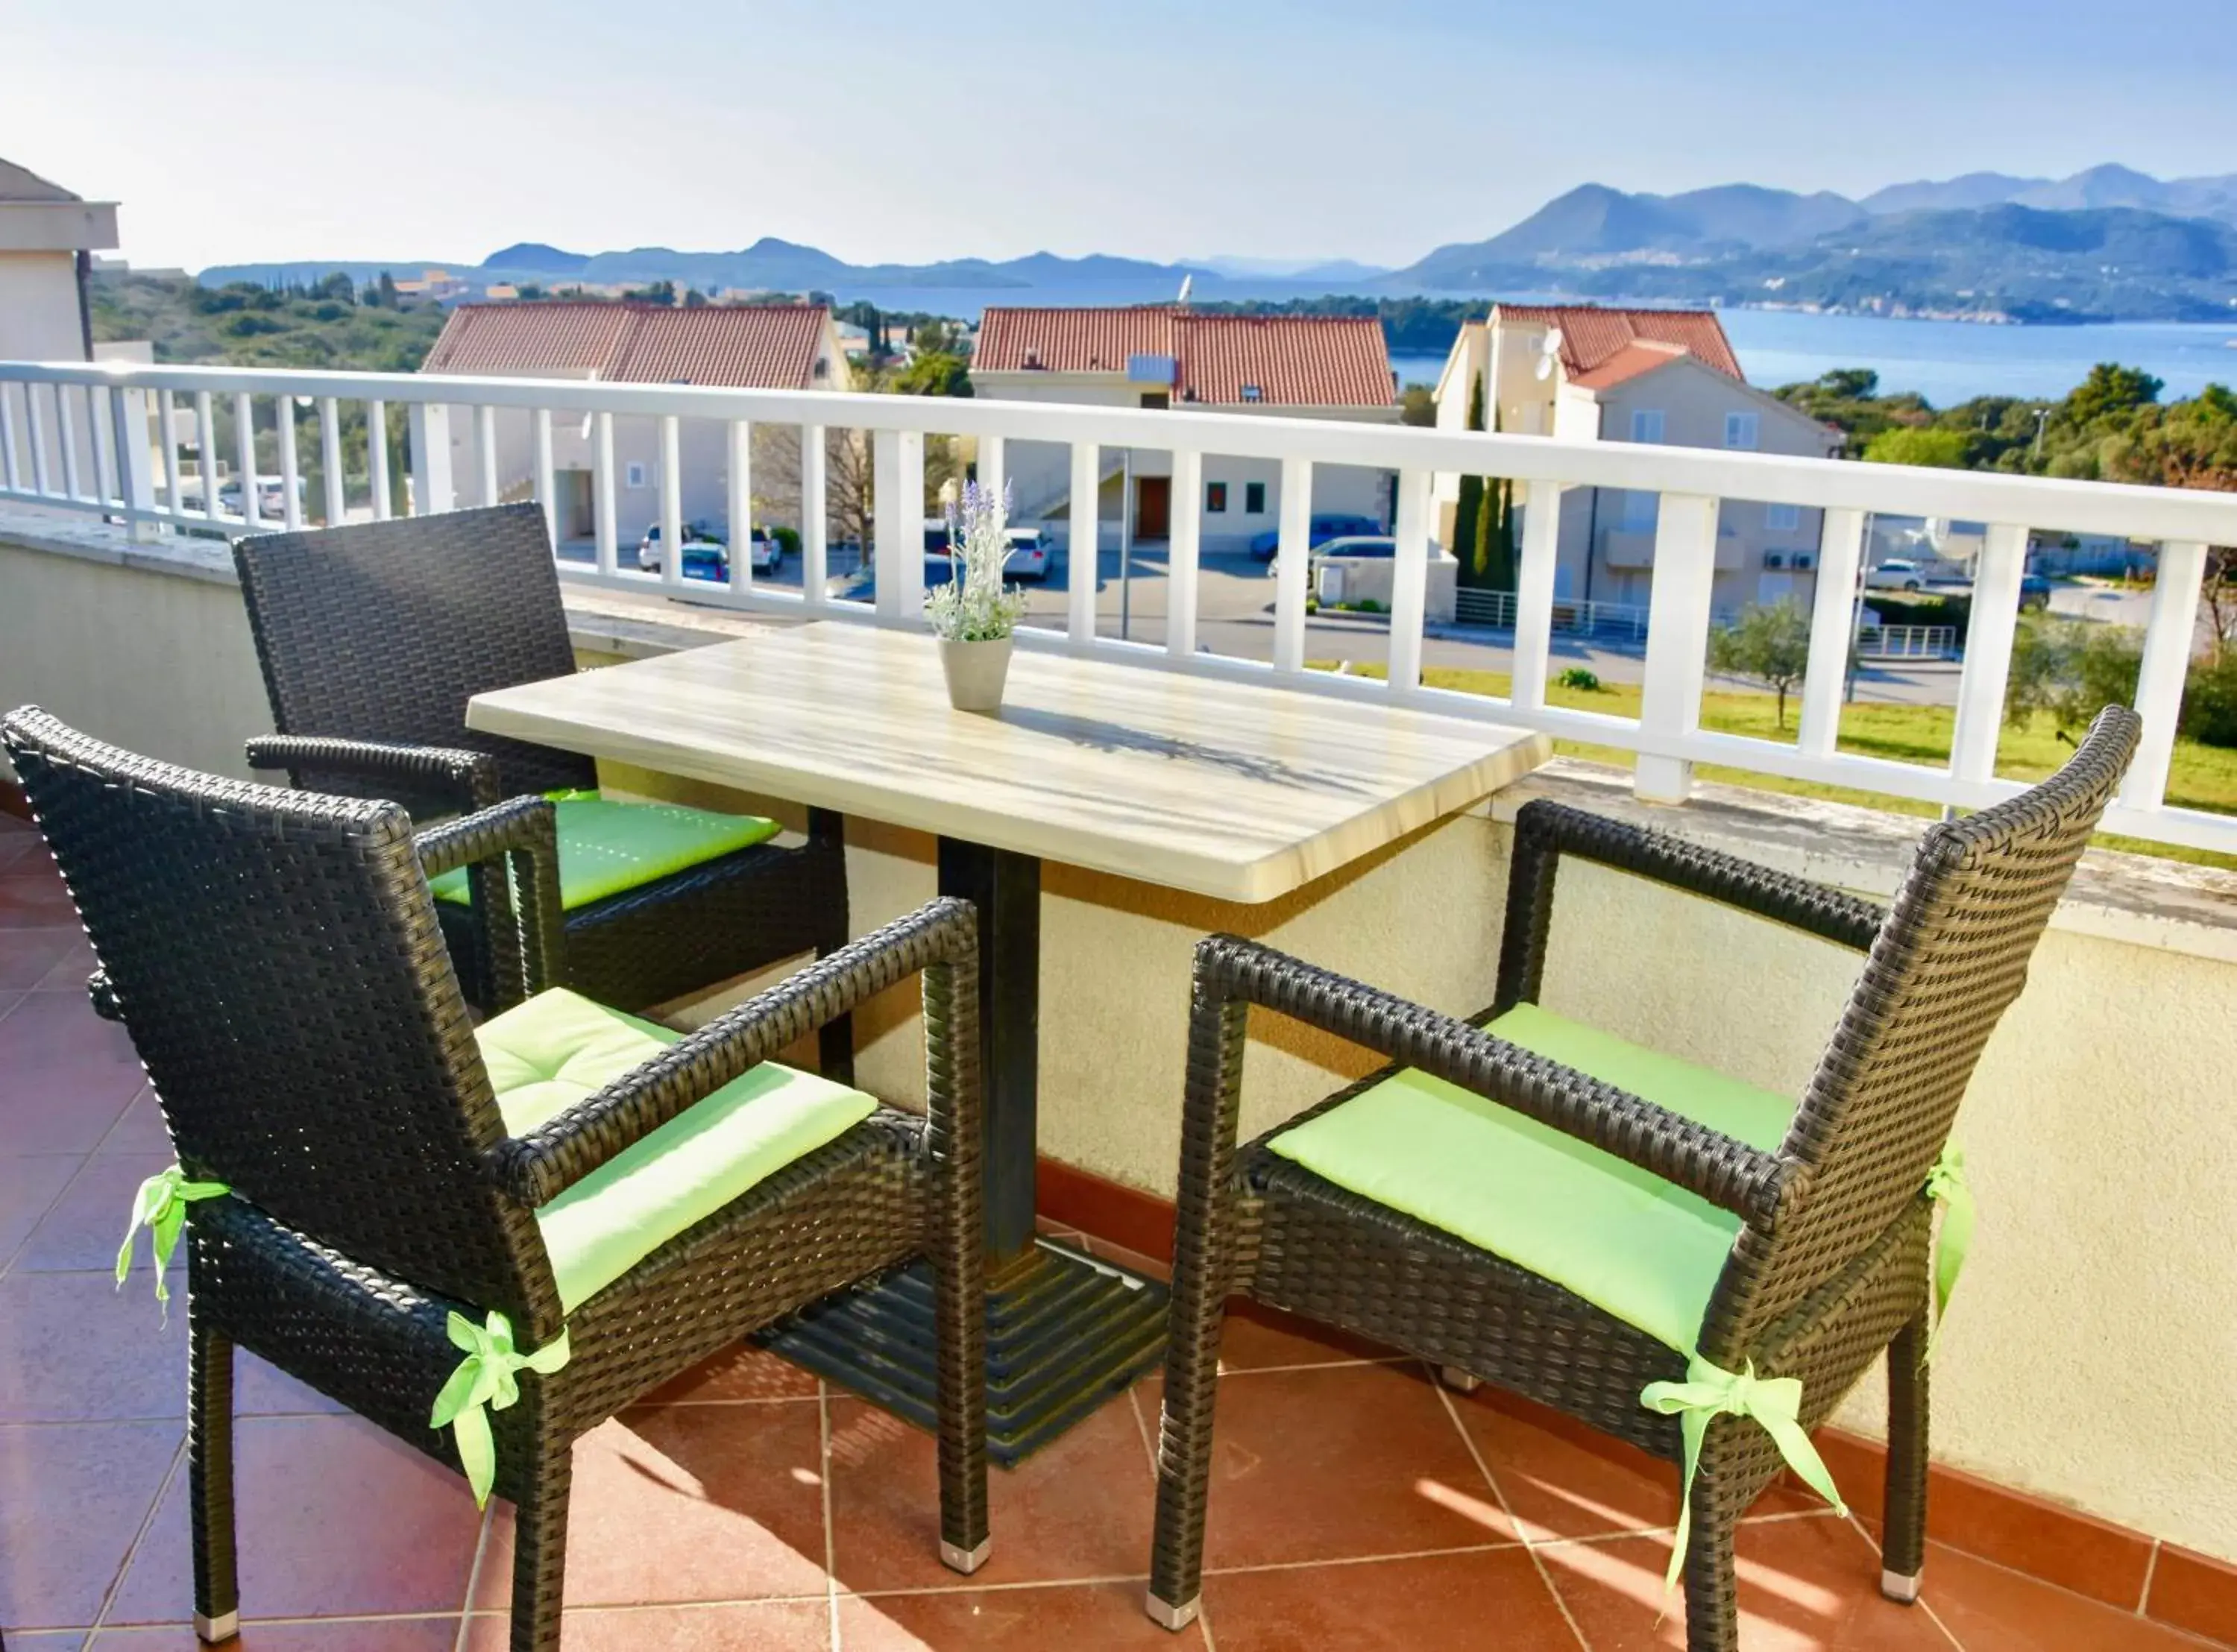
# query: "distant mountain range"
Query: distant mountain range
{"points": [[2109, 243]]}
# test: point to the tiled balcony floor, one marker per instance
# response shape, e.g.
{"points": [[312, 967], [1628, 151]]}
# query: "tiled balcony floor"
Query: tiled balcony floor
{"points": [[1357, 1506]]}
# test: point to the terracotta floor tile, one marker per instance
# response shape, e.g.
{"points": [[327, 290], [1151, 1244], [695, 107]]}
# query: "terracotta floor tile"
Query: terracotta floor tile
{"points": [[76, 1348], [1340, 1463], [263, 1390], [1079, 1617], [742, 1373], [29, 1183], [1565, 1479], [1452, 1602], [375, 1634], [1079, 1508], [32, 897], [1147, 1266], [28, 956], [1992, 1609], [48, 1641], [65, 1074], [142, 1130], [2196, 1592], [1806, 1585], [763, 1625], [687, 1503], [1257, 1338], [71, 970], [82, 1230], [71, 1501], [334, 1518]]}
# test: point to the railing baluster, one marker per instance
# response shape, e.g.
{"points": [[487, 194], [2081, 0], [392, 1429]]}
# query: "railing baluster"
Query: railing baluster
{"points": [[602, 466], [741, 525], [135, 486], [291, 499], [1184, 537], [376, 447], [205, 450], [814, 516], [36, 426], [1832, 624], [335, 486], [1409, 580], [2166, 668], [897, 483], [101, 415], [167, 417], [992, 468], [244, 443], [9, 474], [1677, 639], [1083, 551], [66, 434], [1532, 602], [671, 502], [546, 481], [486, 452], [1989, 633], [432, 491], [1292, 564]]}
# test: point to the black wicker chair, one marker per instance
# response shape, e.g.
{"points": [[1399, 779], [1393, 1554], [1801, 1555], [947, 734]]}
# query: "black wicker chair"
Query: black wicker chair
{"points": [[1831, 1226], [372, 637], [276, 957]]}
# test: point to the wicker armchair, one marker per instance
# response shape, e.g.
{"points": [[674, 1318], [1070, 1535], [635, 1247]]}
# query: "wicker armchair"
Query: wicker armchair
{"points": [[1828, 1217], [372, 637], [363, 1202]]}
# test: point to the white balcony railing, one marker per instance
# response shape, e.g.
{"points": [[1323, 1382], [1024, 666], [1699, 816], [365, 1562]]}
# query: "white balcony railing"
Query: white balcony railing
{"points": [[91, 438]]}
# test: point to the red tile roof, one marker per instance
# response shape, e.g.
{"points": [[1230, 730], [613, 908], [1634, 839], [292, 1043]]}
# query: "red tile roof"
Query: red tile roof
{"points": [[1292, 361], [761, 346], [1593, 339]]}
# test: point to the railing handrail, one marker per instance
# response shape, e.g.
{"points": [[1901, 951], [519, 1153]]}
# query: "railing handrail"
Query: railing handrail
{"points": [[2046, 502]]}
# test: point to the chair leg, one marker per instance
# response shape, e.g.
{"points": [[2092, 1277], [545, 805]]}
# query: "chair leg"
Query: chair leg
{"points": [[1461, 1382], [209, 1476], [959, 1325], [1713, 1602], [1903, 1542], [834, 1043], [539, 1547]]}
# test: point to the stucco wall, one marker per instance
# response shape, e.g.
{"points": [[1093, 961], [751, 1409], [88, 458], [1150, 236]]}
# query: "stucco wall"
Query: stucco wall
{"points": [[2091, 1340], [39, 318]]}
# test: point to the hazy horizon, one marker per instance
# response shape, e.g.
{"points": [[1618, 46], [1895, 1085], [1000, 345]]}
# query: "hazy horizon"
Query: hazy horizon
{"points": [[255, 134]]}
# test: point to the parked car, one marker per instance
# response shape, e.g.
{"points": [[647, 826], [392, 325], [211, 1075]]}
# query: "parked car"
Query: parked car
{"points": [[1028, 558], [1357, 545], [861, 585], [1323, 528], [1896, 574], [697, 536], [2035, 592], [701, 544]]}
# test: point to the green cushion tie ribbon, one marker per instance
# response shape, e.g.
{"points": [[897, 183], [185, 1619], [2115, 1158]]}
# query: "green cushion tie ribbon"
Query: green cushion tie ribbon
{"points": [[483, 1383], [1946, 1184], [161, 1207], [1709, 1391]]}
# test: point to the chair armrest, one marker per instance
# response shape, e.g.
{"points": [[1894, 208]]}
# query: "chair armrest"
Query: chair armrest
{"points": [[526, 949], [1545, 830], [939, 941], [468, 779], [1231, 973]]}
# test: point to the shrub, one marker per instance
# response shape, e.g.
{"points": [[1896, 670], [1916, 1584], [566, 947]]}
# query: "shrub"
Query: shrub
{"points": [[787, 540], [2209, 702], [1580, 679]]}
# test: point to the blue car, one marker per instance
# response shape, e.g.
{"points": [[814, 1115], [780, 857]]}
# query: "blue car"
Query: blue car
{"points": [[1322, 529]]}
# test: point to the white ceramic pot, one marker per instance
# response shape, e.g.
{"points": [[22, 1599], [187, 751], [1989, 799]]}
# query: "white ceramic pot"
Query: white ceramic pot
{"points": [[975, 673]]}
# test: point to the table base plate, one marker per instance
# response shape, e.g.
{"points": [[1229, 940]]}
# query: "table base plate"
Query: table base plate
{"points": [[1064, 1332]]}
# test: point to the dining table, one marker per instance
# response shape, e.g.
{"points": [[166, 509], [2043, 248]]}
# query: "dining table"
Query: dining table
{"points": [[1228, 786]]}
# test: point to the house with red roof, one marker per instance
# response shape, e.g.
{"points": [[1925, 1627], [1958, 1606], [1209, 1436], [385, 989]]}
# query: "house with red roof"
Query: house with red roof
{"points": [[1585, 373], [1171, 356], [761, 346]]}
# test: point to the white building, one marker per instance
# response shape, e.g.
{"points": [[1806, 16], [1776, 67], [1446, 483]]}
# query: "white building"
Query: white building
{"points": [[47, 237], [1670, 376], [763, 347], [1170, 356]]}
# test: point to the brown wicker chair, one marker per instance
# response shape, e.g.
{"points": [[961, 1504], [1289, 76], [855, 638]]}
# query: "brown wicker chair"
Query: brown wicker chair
{"points": [[276, 958], [373, 636], [1830, 1263]]}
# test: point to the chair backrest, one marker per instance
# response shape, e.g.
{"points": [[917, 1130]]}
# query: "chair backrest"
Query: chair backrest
{"points": [[383, 630], [276, 958], [1950, 958]]}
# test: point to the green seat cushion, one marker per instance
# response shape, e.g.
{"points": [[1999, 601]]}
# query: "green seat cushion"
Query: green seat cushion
{"points": [[608, 848], [1619, 1236], [551, 1052]]}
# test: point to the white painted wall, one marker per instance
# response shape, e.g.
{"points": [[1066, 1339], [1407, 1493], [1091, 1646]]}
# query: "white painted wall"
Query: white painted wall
{"points": [[39, 318]]}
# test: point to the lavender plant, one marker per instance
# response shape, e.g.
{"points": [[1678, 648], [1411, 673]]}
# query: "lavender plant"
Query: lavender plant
{"points": [[974, 606]]}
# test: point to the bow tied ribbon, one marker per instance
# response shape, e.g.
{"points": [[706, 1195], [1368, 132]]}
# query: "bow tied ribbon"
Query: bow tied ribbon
{"points": [[486, 1380], [1710, 1391], [161, 1207], [1946, 1186]]}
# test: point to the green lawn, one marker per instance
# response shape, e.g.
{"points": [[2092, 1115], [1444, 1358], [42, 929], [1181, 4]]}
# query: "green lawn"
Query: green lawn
{"points": [[2201, 777]]}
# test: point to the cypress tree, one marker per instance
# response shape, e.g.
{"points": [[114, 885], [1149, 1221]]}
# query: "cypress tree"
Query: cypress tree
{"points": [[1468, 513]]}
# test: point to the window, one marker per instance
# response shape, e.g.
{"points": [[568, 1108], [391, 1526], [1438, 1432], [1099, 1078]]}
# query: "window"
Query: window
{"points": [[1214, 496], [1742, 429], [1157, 398], [1254, 498], [1782, 518], [634, 476], [1646, 424], [1639, 509], [1253, 393]]}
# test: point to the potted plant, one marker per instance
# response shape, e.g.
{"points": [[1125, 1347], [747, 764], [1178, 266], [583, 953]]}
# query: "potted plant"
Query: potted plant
{"points": [[974, 614]]}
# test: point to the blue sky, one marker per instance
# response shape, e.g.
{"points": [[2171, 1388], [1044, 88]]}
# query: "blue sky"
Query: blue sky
{"points": [[407, 129]]}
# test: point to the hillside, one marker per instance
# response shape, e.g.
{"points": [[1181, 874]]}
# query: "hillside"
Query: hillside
{"points": [[192, 323]]}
